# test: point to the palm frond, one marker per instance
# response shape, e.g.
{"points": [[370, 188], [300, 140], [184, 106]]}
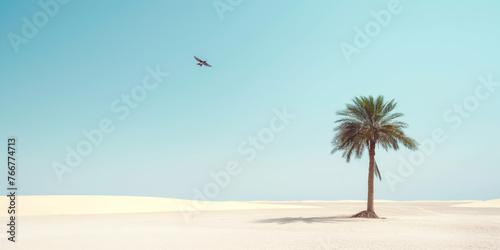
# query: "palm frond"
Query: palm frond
{"points": [[377, 172]]}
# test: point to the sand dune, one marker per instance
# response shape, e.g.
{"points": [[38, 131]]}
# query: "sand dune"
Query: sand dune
{"points": [[488, 203], [62, 204]]}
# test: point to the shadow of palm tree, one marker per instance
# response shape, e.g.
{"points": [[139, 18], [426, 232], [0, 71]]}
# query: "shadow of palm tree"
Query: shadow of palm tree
{"points": [[286, 220]]}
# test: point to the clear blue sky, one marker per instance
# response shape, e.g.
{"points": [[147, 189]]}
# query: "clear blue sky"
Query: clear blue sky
{"points": [[265, 55]]}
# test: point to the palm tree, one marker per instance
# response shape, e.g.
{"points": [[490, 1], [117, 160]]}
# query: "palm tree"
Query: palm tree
{"points": [[366, 124]]}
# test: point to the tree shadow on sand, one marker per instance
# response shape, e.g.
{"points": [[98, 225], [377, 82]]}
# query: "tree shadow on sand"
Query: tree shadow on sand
{"points": [[286, 220]]}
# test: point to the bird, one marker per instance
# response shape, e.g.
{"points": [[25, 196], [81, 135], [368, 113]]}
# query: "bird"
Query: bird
{"points": [[201, 62]]}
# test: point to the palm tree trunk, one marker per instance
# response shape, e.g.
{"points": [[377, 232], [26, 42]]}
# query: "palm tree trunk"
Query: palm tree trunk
{"points": [[369, 206], [370, 211]]}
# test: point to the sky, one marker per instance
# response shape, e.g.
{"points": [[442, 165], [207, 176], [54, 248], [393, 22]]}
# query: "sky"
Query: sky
{"points": [[258, 124]]}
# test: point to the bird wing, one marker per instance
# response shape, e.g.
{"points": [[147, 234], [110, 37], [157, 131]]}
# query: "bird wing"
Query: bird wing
{"points": [[197, 59], [208, 65]]}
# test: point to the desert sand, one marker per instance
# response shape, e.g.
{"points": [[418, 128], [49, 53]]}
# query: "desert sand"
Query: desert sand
{"points": [[490, 203], [107, 222]]}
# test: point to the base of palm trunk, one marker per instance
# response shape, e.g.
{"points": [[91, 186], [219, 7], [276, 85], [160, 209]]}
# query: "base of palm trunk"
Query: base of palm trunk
{"points": [[366, 214]]}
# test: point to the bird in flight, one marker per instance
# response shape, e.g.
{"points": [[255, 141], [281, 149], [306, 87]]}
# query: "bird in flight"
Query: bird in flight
{"points": [[201, 62]]}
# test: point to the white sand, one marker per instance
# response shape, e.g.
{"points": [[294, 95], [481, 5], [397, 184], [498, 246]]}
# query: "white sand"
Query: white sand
{"points": [[86, 204], [490, 203], [120, 223]]}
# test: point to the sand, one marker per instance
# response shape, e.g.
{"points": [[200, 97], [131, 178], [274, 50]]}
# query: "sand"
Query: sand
{"points": [[85, 204], [250, 225], [490, 203]]}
